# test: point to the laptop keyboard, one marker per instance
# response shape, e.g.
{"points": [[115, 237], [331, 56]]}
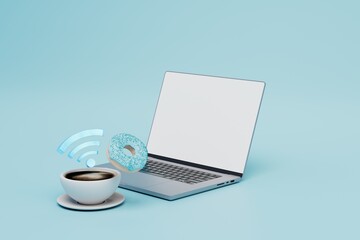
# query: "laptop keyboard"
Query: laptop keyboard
{"points": [[176, 173]]}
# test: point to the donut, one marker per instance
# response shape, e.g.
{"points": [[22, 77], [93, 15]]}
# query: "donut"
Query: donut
{"points": [[127, 153]]}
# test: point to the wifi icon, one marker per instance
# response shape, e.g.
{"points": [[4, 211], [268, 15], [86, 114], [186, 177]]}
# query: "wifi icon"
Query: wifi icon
{"points": [[85, 155]]}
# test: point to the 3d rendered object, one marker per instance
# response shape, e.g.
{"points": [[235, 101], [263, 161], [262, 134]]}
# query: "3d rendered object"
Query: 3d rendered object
{"points": [[127, 153]]}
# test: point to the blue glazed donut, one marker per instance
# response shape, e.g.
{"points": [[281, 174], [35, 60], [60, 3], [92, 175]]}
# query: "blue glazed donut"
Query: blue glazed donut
{"points": [[127, 153]]}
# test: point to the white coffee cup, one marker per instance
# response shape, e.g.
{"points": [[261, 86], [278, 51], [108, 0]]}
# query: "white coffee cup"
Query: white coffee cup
{"points": [[90, 185]]}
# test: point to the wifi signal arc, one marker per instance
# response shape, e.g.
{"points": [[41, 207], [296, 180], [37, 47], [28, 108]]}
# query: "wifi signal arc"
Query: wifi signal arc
{"points": [[87, 154], [82, 146], [70, 140]]}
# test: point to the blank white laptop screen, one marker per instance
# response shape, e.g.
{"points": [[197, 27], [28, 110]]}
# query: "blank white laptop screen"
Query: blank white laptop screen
{"points": [[206, 120]]}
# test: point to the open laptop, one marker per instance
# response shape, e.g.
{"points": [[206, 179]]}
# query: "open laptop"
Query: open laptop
{"points": [[200, 136]]}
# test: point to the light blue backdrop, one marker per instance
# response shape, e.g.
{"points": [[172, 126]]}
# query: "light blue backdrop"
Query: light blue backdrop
{"points": [[67, 66]]}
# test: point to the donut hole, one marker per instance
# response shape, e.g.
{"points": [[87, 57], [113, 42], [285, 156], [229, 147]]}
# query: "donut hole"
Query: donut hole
{"points": [[129, 150]]}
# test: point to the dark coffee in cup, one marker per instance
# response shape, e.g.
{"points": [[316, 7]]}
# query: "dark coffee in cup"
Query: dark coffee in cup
{"points": [[89, 175]]}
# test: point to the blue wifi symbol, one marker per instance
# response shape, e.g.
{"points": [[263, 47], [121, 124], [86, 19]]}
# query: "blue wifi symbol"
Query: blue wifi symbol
{"points": [[70, 140]]}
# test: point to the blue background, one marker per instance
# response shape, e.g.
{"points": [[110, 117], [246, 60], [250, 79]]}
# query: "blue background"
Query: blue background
{"points": [[68, 66]]}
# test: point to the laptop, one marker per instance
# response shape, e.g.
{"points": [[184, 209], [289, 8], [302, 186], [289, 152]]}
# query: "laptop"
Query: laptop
{"points": [[200, 136]]}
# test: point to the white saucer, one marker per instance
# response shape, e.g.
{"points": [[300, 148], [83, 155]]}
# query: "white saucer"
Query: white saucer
{"points": [[67, 202]]}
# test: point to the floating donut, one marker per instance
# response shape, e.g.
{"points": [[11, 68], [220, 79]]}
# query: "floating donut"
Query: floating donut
{"points": [[127, 153]]}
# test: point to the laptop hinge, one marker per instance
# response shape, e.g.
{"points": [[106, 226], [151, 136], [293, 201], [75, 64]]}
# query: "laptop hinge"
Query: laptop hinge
{"points": [[194, 165]]}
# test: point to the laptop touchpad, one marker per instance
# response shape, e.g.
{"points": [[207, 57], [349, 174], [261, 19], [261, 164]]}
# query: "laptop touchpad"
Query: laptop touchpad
{"points": [[140, 179]]}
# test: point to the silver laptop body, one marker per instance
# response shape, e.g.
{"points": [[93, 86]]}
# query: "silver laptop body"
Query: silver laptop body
{"points": [[201, 123]]}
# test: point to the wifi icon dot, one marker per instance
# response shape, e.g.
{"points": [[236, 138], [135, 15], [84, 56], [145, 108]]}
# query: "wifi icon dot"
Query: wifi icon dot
{"points": [[86, 155]]}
